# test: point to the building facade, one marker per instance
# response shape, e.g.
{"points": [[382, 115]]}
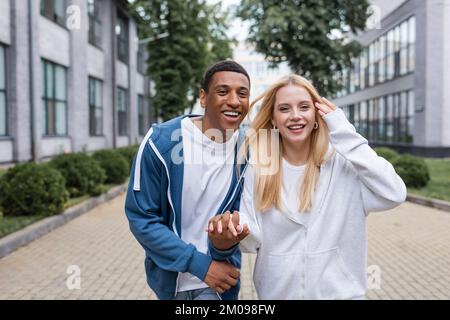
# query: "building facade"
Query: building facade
{"points": [[72, 78], [398, 92]]}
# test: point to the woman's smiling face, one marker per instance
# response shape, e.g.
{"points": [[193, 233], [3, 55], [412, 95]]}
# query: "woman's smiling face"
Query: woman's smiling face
{"points": [[294, 114]]}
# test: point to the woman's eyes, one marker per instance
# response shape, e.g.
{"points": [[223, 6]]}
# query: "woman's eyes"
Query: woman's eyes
{"points": [[304, 107]]}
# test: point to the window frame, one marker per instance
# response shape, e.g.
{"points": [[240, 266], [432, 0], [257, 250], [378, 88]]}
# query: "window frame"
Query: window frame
{"points": [[45, 99], [120, 125], [93, 107], [47, 10], [122, 41], [94, 22], [4, 91]]}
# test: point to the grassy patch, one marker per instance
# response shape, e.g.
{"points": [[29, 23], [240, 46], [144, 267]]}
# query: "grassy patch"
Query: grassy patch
{"points": [[439, 185], [9, 225]]}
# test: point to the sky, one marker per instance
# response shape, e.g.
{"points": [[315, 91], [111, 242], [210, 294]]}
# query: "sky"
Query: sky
{"points": [[238, 28]]}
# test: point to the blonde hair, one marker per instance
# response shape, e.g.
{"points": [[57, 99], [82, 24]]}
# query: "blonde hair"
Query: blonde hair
{"points": [[267, 187]]}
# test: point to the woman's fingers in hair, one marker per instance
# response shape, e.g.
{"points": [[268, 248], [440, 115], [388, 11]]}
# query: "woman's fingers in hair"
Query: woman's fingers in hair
{"points": [[329, 103], [326, 107]]}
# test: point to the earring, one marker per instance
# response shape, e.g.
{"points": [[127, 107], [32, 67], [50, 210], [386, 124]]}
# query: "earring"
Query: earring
{"points": [[274, 128], [316, 125]]}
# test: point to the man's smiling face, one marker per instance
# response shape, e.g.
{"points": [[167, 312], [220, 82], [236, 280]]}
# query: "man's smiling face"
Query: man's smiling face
{"points": [[226, 101]]}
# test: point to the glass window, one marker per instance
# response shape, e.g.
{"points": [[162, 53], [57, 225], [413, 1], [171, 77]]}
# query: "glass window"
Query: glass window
{"points": [[363, 69], [381, 119], [3, 116], [122, 111], [411, 114], [355, 77], [54, 10], [412, 44], [356, 117], [403, 115], [95, 107], [363, 118], [60, 83], [122, 38], [141, 115], [95, 25], [54, 99], [404, 48], [370, 120], [141, 59], [382, 64], [390, 56], [389, 118], [371, 64]]}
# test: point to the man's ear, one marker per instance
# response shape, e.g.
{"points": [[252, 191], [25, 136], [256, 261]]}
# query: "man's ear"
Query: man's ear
{"points": [[203, 98]]}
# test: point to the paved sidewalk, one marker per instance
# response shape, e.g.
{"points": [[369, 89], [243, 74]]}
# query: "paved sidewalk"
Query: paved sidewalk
{"points": [[411, 247]]}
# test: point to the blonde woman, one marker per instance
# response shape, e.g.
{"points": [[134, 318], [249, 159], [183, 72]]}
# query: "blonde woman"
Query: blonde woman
{"points": [[304, 212]]}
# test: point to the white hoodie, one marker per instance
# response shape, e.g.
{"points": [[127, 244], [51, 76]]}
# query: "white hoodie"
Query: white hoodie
{"points": [[325, 258]]}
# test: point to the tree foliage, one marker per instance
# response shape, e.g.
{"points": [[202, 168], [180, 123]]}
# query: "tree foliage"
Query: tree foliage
{"points": [[196, 38], [310, 35]]}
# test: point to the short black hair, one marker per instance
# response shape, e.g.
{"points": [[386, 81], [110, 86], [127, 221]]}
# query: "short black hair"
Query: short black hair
{"points": [[225, 65]]}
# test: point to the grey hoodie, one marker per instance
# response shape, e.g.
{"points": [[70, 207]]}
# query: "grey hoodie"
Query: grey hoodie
{"points": [[327, 257]]}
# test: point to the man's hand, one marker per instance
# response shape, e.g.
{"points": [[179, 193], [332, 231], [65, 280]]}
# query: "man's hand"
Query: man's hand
{"points": [[222, 276], [225, 231]]}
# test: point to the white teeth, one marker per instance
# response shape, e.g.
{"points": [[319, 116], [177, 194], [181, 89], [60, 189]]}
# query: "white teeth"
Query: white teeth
{"points": [[296, 127], [231, 113]]}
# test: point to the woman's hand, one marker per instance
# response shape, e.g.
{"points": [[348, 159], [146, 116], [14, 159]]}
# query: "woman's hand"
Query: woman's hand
{"points": [[325, 108]]}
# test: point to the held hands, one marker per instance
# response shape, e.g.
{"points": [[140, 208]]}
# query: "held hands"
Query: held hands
{"points": [[326, 107], [224, 230]]}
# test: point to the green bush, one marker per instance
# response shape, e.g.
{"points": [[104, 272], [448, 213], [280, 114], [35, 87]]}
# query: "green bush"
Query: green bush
{"points": [[387, 153], [83, 174], [115, 165], [413, 170], [128, 153], [32, 189]]}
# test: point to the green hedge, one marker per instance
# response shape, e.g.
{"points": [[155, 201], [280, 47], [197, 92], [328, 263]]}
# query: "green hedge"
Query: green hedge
{"points": [[128, 153], [387, 153], [114, 164], [83, 174], [413, 170], [32, 189]]}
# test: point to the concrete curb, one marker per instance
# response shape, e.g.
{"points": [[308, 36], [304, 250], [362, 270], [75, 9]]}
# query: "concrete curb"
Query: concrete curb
{"points": [[36, 230], [428, 202]]}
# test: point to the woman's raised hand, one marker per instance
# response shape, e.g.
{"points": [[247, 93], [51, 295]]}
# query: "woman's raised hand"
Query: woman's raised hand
{"points": [[326, 107]]}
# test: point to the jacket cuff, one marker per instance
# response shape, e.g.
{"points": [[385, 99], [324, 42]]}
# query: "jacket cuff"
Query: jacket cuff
{"points": [[199, 265], [336, 120], [222, 255]]}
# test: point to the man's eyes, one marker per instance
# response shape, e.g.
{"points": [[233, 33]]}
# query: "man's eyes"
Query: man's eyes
{"points": [[242, 94]]}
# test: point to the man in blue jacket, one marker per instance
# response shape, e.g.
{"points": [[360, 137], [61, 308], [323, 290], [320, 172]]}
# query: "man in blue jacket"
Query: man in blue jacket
{"points": [[184, 174]]}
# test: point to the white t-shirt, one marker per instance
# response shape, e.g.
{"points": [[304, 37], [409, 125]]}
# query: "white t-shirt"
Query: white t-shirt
{"points": [[292, 182], [208, 172]]}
